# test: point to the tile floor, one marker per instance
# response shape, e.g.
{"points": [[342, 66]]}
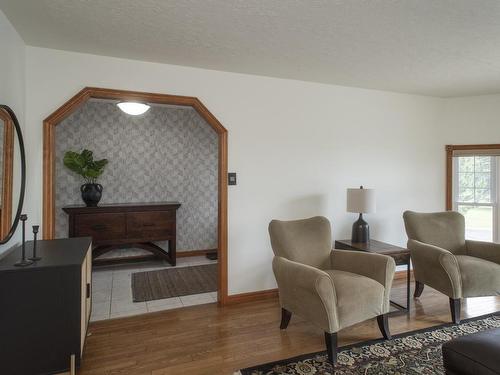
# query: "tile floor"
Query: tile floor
{"points": [[112, 290]]}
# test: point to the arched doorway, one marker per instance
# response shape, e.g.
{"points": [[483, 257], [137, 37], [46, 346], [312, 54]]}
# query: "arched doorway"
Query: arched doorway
{"points": [[87, 93]]}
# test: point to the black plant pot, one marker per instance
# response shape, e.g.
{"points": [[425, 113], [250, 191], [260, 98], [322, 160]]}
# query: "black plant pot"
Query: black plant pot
{"points": [[91, 194]]}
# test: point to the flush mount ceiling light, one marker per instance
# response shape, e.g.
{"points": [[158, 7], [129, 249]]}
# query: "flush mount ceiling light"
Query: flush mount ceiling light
{"points": [[133, 108]]}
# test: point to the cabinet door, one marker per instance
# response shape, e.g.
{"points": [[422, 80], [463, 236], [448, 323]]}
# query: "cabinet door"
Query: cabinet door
{"points": [[89, 282], [86, 294]]}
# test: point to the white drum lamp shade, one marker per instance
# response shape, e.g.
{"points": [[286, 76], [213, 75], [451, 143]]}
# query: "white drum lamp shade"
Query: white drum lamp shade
{"points": [[361, 201]]}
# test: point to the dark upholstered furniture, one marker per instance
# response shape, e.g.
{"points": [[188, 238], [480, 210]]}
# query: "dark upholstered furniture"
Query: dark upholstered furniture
{"points": [[476, 354]]}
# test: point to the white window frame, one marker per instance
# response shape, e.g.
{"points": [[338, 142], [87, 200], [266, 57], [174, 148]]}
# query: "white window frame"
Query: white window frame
{"points": [[495, 183]]}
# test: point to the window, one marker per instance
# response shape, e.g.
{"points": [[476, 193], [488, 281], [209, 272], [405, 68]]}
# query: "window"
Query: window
{"points": [[475, 181]]}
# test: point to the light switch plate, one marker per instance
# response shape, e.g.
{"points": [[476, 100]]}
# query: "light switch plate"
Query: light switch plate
{"points": [[231, 178]]}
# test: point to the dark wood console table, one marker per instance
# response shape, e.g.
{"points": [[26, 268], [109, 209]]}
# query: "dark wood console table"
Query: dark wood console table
{"points": [[400, 255], [118, 226]]}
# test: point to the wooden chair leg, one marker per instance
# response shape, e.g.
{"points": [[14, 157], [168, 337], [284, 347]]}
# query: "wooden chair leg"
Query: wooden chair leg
{"points": [[455, 310], [383, 325], [285, 318], [331, 347], [419, 288]]}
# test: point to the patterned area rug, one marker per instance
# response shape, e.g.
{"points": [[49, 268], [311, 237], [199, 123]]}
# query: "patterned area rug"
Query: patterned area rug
{"points": [[417, 352], [174, 282]]}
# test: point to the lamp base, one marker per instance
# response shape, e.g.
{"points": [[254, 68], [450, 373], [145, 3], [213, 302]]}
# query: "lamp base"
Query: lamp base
{"points": [[23, 263], [360, 231]]}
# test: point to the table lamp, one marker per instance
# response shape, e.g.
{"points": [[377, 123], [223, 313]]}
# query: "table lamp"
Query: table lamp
{"points": [[361, 201]]}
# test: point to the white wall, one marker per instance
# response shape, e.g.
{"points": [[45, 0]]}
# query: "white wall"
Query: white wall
{"points": [[12, 90], [470, 120], [12, 70], [296, 146]]}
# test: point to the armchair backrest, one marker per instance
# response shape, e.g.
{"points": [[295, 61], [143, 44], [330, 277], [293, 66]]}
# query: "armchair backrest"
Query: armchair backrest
{"points": [[443, 229], [307, 241]]}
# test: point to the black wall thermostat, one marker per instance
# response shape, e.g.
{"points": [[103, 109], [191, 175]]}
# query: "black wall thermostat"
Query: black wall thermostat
{"points": [[231, 178]]}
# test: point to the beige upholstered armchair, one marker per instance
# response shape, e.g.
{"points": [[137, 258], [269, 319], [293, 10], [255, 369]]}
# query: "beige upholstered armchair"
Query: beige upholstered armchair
{"points": [[331, 289], [444, 260]]}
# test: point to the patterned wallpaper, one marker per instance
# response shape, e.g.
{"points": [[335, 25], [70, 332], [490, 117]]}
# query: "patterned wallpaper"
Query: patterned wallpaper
{"points": [[167, 154]]}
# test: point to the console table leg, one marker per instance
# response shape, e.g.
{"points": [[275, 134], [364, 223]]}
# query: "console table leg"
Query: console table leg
{"points": [[172, 252], [401, 308]]}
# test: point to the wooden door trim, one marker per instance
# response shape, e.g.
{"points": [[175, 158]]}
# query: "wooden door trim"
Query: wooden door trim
{"points": [[449, 166], [50, 123], [7, 174]]}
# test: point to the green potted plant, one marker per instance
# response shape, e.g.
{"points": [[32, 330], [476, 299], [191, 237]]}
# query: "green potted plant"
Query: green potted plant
{"points": [[84, 165]]}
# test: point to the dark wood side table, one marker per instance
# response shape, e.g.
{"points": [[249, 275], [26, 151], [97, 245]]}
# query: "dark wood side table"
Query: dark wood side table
{"points": [[400, 255]]}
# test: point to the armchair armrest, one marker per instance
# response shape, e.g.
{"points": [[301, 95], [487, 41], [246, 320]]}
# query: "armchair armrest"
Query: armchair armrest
{"points": [[378, 267], [307, 291], [436, 267], [375, 266], [484, 250]]}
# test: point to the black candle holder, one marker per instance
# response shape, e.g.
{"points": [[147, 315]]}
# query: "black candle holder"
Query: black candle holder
{"points": [[35, 232], [23, 262]]}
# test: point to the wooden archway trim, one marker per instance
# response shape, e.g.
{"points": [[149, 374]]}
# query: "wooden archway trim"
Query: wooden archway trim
{"points": [[7, 174], [49, 124]]}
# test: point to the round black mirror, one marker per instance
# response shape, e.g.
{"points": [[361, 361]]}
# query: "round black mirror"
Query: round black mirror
{"points": [[12, 173]]}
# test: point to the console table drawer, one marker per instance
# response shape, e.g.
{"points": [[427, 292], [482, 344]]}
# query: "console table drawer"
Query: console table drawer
{"points": [[153, 225], [102, 226]]}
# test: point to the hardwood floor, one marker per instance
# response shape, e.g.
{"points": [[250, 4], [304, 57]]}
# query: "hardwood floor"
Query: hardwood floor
{"points": [[206, 339]]}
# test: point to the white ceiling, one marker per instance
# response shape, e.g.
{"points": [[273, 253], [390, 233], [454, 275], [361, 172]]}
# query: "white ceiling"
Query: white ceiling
{"points": [[431, 47]]}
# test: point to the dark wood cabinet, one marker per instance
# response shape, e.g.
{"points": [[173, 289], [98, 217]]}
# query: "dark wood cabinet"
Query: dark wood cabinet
{"points": [[45, 307], [136, 225]]}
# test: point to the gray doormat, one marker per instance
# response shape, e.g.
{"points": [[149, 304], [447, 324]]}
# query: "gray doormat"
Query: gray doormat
{"points": [[174, 282]]}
